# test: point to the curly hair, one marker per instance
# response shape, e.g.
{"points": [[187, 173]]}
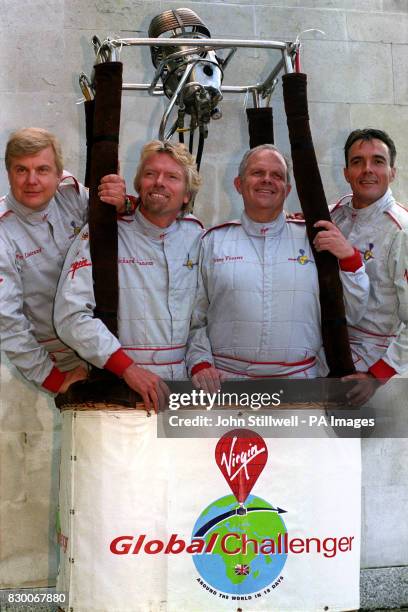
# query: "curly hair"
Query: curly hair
{"points": [[181, 155]]}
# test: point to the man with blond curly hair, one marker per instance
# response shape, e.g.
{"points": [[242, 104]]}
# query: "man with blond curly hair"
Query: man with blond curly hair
{"points": [[158, 261]]}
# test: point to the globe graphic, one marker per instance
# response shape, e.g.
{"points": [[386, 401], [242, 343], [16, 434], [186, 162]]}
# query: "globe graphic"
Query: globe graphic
{"points": [[239, 574]]}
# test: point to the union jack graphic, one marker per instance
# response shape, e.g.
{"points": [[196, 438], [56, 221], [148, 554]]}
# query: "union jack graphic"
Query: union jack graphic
{"points": [[241, 570]]}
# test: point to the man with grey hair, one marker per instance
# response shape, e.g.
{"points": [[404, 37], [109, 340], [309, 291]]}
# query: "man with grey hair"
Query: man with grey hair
{"points": [[257, 312], [158, 259], [39, 218]]}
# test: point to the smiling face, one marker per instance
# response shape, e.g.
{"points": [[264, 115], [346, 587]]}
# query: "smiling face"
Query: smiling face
{"points": [[368, 171], [162, 189], [264, 185], [34, 178]]}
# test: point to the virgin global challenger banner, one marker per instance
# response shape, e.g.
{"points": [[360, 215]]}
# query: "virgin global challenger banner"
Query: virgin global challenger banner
{"points": [[224, 523]]}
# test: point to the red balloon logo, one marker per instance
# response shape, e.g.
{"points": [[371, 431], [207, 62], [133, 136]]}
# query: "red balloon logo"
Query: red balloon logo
{"points": [[241, 455]]}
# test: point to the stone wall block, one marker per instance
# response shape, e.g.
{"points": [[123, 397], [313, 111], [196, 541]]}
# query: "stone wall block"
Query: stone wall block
{"points": [[333, 182], [398, 6], [41, 71], [8, 72], [37, 15], [400, 67], [385, 461], [377, 27], [287, 23], [338, 72], [330, 126], [140, 122], [384, 526], [28, 554], [12, 467], [132, 16], [351, 5], [207, 204], [42, 453]]}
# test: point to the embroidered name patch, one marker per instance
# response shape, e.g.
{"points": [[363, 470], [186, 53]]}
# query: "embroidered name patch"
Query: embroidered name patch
{"points": [[227, 259], [28, 254], [133, 260]]}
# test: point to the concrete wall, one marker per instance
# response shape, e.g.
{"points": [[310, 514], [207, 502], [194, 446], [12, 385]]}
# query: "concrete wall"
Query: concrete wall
{"points": [[358, 76]]}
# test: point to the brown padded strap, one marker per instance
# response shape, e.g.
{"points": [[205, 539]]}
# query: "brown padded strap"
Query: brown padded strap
{"points": [[103, 232], [314, 205], [260, 126]]}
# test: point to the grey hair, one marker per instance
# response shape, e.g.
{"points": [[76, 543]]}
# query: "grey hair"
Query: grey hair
{"points": [[264, 147]]}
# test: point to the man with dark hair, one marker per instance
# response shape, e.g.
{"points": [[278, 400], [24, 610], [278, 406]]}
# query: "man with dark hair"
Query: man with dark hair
{"points": [[377, 226], [367, 135], [39, 218]]}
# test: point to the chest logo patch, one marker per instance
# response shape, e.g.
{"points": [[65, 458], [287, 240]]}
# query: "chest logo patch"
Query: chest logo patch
{"points": [[76, 265], [76, 229], [302, 258], [368, 253], [189, 263]]}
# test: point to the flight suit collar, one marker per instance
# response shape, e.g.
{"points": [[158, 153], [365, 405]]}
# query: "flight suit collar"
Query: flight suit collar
{"points": [[33, 217], [150, 229], [264, 230]]}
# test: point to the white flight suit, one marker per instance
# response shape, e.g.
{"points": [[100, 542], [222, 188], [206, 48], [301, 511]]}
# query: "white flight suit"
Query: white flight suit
{"points": [[157, 285], [33, 245], [380, 232], [257, 311]]}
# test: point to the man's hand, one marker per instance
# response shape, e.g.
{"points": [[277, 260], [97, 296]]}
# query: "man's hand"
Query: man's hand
{"points": [[72, 376], [112, 190], [208, 379], [365, 387], [152, 388], [331, 239]]}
